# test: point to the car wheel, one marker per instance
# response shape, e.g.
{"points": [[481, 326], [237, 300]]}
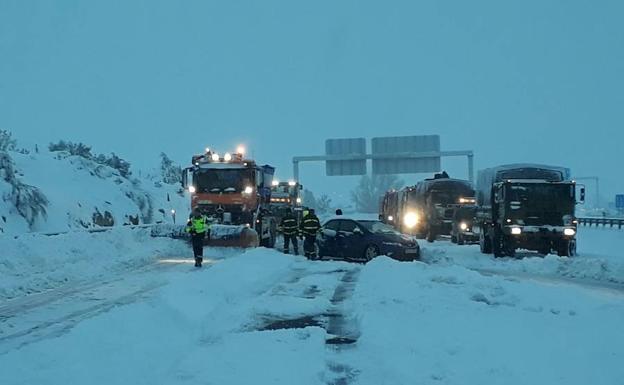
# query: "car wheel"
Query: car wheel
{"points": [[370, 252]]}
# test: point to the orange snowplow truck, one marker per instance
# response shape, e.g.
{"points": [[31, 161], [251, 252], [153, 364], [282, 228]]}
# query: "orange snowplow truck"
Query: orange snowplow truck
{"points": [[234, 193]]}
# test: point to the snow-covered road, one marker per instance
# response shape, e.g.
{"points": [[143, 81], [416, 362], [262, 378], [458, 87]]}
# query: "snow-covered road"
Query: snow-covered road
{"points": [[262, 317]]}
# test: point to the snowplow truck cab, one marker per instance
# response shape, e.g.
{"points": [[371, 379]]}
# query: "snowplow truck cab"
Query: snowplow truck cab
{"points": [[232, 191], [286, 196], [429, 207], [527, 206]]}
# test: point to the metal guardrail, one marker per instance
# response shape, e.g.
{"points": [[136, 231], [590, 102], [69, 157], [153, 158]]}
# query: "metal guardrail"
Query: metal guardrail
{"points": [[604, 222]]}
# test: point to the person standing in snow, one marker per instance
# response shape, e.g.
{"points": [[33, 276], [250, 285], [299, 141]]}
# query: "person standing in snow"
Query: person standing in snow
{"points": [[290, 228], [197, 227], [310, 227]]}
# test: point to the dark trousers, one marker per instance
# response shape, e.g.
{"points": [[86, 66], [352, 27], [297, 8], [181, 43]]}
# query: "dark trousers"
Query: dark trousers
{"points": [[309, 246], [198, 247], [291, 238]]}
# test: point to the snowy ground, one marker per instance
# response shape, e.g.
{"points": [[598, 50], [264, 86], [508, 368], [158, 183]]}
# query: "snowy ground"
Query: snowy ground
{"points": [[262, 317]]}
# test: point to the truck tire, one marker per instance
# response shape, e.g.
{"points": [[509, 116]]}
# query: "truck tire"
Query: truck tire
{"points": [[460, 239], [497, 240], [431, 235], [484, 243], [454, 238], [566, 248]]}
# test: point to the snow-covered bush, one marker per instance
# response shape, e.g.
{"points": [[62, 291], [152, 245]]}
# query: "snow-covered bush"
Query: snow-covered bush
{"points": [[171, 173], [323, 204], [84, 151], [7, 143], [28, 200]]}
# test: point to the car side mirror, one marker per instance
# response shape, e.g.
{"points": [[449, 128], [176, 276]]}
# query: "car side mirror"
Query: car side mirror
{"points": [[358, 231]]}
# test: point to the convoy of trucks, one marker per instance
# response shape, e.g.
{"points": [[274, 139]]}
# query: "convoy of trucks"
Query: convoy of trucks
{"points": [[517, 206]]}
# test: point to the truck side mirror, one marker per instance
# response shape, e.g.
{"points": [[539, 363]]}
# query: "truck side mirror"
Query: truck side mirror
{"points": [[185, 178], [582, 195]]}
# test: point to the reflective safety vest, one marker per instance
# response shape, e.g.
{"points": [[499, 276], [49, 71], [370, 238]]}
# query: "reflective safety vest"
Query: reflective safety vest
{"points": [[310, 225], [197, 225], [289, 225]]}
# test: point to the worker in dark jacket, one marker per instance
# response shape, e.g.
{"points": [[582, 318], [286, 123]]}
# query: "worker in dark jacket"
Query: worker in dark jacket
{"points": [[197, 226], [290, 228], [310, 226]]}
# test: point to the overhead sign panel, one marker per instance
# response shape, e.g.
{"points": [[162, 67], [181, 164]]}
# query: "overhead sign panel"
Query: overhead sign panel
{"points": [[354, 147], [405, 154]]}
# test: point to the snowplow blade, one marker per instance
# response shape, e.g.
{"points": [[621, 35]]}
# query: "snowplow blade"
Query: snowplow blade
{"points": [[220, 235]]}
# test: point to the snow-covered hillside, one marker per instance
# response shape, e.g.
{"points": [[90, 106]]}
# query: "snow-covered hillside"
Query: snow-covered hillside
{"points": [[84, 194]]}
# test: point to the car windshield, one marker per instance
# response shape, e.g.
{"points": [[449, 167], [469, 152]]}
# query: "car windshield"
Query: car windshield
{"points": [[378, 227], [221, 180]]}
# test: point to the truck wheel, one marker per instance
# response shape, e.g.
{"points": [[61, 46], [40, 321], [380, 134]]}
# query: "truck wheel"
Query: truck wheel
{"points": [[460, 239], [454, 239], [484, 243], [431, 235], [497, 241], [566, 249]]}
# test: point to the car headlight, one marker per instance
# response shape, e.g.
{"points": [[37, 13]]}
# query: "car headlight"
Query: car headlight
{"points": [[192, 189], [410, 220], [463, 226], [248, 190], [516, 231], [569, 232], [393, 244]]}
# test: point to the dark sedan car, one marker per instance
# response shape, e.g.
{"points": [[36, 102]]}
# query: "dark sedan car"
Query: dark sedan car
{"points": [[363, 240]]}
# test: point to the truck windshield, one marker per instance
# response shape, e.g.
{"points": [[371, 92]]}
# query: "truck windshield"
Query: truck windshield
{"points": [[446, 197], [546, 194], [222, 180], [541, 204]]}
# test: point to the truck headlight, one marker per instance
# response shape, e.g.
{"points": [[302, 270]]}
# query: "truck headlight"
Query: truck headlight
{"points": [[248, 190], [192, 189], [298, 200], [410, 220], [215, 157], [569, 232], [516, 231], [227, 157], [390, 218], [463, 226]]}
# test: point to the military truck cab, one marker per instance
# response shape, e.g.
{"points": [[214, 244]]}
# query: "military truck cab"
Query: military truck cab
{"points": [[528, 213]]}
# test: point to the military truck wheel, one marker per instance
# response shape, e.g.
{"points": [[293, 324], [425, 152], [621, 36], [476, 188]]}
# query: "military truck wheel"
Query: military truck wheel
{"points": [[460, 239], [431, 235], [566, 249], [454, 239], [497, 247], [485, 243]]}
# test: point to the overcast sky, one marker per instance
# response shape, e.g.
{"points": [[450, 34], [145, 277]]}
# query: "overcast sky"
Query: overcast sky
{"points": [[521, 81]]}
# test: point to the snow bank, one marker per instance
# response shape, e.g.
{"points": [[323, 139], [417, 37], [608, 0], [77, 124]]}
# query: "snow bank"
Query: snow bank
{"points": [[601, 258], [445, 324], [81, 192], [34, 263]]}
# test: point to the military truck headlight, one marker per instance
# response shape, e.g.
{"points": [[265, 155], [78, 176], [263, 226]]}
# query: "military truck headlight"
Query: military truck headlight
{"points": [[410, 220], [215, 157], [248, 190], [569, 232], [227, 157], [192, 189], [390, 218], [463, 226], [516, 231], [298, 200]]}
